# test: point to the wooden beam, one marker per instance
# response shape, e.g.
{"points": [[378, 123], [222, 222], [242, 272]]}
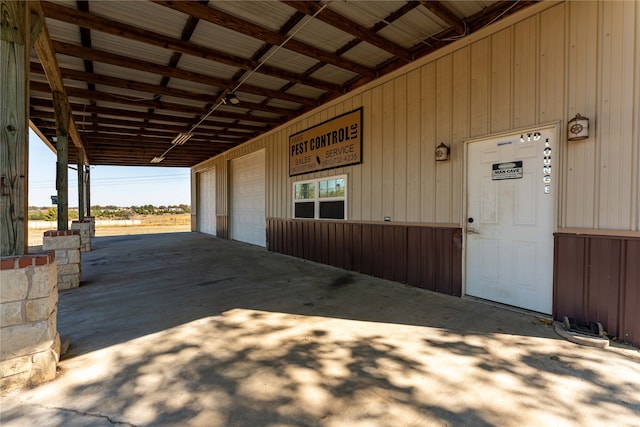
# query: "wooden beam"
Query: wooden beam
{"points": [[444, 13], [153, 90], [80, 155], [116, 112], [231, 22], [14, 53], [46, 54], [164, 70], [44, 117], [351, 27], [63, 118], [108, 26]]}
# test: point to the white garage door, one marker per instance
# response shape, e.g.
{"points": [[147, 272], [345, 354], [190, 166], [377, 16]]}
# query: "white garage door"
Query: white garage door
{"points": [[207, 202], [247, 199]]}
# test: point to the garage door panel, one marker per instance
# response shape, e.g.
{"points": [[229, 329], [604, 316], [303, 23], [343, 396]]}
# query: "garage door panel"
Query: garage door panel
{"points": [[207, 202], [248, 223]]}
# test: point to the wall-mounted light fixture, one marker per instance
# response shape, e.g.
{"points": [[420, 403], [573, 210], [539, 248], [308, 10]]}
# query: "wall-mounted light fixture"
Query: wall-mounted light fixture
{"points": [[232, 99], [442, 152], [578, 128]]}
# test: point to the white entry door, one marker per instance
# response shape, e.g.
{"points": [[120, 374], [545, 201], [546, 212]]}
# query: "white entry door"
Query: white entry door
{"points": [[207, 202], [248, 221], [510, 219]]}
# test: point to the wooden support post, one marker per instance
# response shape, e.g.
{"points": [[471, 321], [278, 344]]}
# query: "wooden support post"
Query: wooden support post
{"points": [[88, 190], [80, 156], [14, 87], [62, 176]]}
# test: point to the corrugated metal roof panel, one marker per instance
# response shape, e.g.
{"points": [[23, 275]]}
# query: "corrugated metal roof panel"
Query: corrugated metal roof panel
{"points": [[264, 81], [194, 87], [413, 27], [213, 36], [467, 8], [71, 62], [267, 14], [306, 91], [320, 35], [281, 103], [135, 49], [183, 101], [206, 67], [63, 32], [288, 60], [249, 97], [366, 13], [333, 74], [126, 73], [367, 55], [142, 14]]}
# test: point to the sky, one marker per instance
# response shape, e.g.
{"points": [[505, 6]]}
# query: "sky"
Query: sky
{"points": [[110, 185]]}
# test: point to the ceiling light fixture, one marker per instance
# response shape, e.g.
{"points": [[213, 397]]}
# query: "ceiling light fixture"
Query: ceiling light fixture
{"points": [[232, 99], [157, 159], [182, 138]]}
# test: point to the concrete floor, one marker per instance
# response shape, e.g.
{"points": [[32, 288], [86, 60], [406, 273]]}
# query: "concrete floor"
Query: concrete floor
{"points": [[187, 330]]}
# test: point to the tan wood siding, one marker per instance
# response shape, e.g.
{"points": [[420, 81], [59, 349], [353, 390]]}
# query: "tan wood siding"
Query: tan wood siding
{"points": [[543, 65]]}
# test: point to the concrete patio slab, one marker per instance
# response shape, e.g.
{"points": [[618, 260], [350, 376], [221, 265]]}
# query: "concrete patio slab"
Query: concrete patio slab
{"points": [[188, 330]]}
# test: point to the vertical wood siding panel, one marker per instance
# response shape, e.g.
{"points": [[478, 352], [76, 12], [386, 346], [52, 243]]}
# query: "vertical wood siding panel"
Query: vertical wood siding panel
{"points": [[400, 151], [501, 80], [604, 278], [414, 256], [569, 277], [366, 168], [428, 144], [388, 149], [552, 87], [429, 250], [331, 240], [323, 242], [413, 147], [616, 119], [366, 256], [377, 249], [460, 131], [525, 70], [480, 80], [552, 63], [444, 179], [630, 318], [356, 247], [376, 154], [582, 173], [355, 182]]}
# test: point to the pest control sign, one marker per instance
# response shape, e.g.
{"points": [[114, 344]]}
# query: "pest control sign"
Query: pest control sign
{"points": [[509, 170], [331, 144]]}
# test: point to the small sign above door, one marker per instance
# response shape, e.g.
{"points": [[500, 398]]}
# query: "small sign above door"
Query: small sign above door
{"points": [[509, 170]]}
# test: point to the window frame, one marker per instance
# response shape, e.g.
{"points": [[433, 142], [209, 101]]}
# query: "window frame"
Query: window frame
{"points": [[317, 200]]}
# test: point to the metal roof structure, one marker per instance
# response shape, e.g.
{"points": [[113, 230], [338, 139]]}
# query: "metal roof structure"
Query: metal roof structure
{"points": [[150, 82]]}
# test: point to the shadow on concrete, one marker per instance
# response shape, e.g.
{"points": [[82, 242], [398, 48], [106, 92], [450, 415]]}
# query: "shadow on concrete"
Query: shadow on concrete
{"points": [[220, 333]]}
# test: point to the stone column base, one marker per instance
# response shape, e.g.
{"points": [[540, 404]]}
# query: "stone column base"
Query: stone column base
{"points": [[84, 227], [66, 245], [29, 340]]}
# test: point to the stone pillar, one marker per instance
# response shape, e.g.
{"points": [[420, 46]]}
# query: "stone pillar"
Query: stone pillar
{"points": [[29, 340], [66, 245], [84, 227], [92, 227]]}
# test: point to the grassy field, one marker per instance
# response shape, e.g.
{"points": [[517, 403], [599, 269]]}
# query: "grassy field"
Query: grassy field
{"points": [[151, 224]]}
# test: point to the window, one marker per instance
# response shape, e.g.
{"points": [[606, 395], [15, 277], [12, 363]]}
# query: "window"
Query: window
{"points": [[323, 198]]}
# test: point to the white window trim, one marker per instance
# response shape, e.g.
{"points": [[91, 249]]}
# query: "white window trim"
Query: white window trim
{"points": [[317, 199]]}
